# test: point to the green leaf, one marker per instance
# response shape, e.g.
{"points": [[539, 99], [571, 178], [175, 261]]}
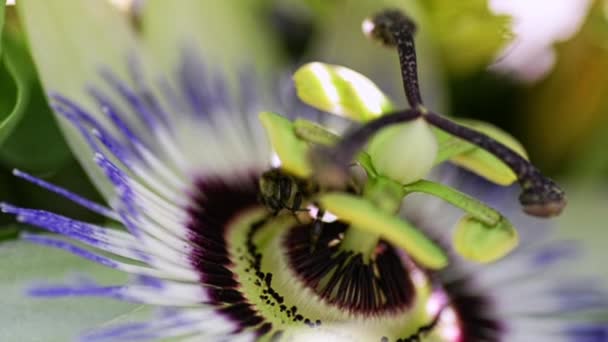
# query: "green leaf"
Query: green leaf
{"points": [[292, 151], [35, 319], [9, 232], [228, 34], [2, 8], [477, 241], [363, 214], [469, 34], [15, 61], [341, 91], [476, 159], [69, 41], [28, 116]]}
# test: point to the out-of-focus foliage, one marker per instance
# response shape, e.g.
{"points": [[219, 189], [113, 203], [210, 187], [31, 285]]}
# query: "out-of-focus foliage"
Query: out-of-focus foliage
{"points": [[14, 82], [18, 148], [467, 33], [2, 6], [567, 113]]}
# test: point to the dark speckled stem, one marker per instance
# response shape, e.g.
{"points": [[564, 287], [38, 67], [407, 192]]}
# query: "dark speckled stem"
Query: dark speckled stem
{"points": [[540, 195], [393, 28]]}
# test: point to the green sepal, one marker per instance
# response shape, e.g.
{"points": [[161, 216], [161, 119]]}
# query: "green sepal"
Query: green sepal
{"points": [[341, 91], [364, 215], [291, 150], [476, 159], [477, 241]]}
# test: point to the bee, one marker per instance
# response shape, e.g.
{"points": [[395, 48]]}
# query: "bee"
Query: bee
{"points": [[279, 191]]}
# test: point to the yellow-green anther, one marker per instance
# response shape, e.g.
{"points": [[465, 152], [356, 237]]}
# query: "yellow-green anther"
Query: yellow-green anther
{"points": [[476, 159], [463, 201], [477, 241], [290, 149], [404, 152], [364, 215], [341, 91], [314, 133]]}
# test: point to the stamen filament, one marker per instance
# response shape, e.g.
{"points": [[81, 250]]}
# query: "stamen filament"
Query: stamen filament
{"points": [[465, 202]]}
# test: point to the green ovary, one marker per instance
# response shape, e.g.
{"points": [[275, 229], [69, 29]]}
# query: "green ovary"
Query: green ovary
{"points": [[405, 152]]}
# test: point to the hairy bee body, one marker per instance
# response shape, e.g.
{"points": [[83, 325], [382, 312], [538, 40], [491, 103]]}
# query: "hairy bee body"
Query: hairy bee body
{"points": [[279, 190]]}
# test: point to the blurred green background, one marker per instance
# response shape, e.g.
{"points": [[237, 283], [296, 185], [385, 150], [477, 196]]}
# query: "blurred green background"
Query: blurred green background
{"points": [[478, 59]]}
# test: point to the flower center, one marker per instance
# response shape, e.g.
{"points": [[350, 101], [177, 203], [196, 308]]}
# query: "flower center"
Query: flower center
{"points": [[275, 276]]}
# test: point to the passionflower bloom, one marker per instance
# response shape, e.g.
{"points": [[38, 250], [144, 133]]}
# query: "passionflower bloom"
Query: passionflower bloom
{"points": [[219, 229]]}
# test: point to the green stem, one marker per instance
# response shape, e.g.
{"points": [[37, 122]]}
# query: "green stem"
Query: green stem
{"points": [[465, 202]]}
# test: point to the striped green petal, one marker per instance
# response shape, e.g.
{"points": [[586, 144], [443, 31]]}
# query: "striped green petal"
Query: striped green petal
{"points": [[477, 241], [287, 145], [476, 159], [362, 214], [341, 91]]}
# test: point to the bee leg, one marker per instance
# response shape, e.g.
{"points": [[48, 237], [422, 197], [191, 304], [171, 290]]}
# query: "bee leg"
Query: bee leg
{"points": [[317, 229], [297, 203]]}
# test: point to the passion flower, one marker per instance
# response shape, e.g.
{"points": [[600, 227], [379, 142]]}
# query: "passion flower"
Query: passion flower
{"points": [[201, 240]]}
